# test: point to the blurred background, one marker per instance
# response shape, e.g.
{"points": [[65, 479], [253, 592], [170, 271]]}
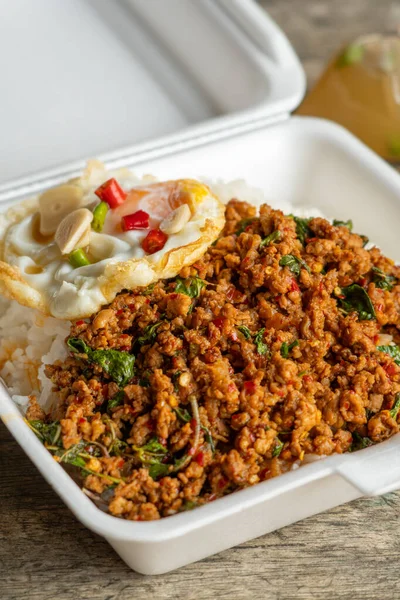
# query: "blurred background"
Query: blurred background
{"points": [[317, 28]]}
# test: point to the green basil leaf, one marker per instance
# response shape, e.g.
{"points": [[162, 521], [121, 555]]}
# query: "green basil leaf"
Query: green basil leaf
{"points": [[396, 407], [149, 334], [159, 470], [118, 365], [364, 238], [357, 300], [383, 280], [393, 351], [245, 331], [48, 433], [71, 456], [117, 400], [294, 263], [154, 447], [183, 414], [79, 346], [262, 347], [348, 224], [360, 442], [272, 237], [278, 448], [302, 229], [118, 447], [286, 348], [191, 286], [149, 290]]}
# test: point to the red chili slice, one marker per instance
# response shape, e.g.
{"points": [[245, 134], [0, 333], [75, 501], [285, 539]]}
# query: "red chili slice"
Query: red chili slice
{"points": [[294, 287], [219, 322], [112, 193], [154, 241], [199, 458], [138, 220], [250, 387]]}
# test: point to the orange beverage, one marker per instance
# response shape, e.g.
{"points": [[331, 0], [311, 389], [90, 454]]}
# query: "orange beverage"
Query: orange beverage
{"points": [[360, 89]]}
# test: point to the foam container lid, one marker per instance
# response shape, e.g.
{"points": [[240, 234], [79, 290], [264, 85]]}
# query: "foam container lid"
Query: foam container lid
{"points": [[87, 78]]}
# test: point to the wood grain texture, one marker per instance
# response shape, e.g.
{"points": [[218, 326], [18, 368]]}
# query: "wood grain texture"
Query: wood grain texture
{"points": [[352, 552]]}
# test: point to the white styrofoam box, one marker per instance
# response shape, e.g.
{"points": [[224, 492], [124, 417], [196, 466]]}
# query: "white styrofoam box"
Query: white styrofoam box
{"points": [[85, 77], [304, 161]]}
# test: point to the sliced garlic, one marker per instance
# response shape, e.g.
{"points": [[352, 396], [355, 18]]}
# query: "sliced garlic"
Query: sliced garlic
{"points": [[55, 204], [176, 220], [73, 230]]}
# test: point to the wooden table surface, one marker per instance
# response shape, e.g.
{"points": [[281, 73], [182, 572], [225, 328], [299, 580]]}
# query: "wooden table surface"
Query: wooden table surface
{"points": [[352, 552]]}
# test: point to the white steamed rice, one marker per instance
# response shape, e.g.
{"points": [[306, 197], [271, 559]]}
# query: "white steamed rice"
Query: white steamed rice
{"points": [[29, 340]]}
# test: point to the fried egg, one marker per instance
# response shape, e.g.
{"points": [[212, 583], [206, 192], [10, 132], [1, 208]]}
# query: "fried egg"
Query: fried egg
{"points": [[56, 257]]}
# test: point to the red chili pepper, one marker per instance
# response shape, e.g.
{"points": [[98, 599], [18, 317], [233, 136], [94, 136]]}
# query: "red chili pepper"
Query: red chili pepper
{"points": [[119, 312], [218, 322], [390, 369], [250, 387], [234, 336], [193, 424], [346, 405], [294, 287], [363, 281], [311, 239], [173, 296], [82, 420], [154, 241], [379, 307], [199, 458], [264, 473], [232, 387], [79, 323], [307, 378], [120, 463], [138, 220], [112, 193]]}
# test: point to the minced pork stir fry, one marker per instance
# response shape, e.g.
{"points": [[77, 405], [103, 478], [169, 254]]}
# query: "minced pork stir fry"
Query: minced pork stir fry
{"points": [[279, 343]]}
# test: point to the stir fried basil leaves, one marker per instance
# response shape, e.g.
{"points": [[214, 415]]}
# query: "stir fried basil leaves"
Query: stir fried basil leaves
{"points": [[191, 286], [48, 433], [382, 280], [117, 400], [302, 229], [278, 448], [294, 263], [355, 299], [272, 237], [360, 442], [245, 331], [396, 407], [149, 334], [286, 348], [348, 224], [262, 347], [118, 365]]}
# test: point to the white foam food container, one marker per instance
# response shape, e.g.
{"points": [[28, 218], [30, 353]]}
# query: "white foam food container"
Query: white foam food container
{"points": [[304, 161]]}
